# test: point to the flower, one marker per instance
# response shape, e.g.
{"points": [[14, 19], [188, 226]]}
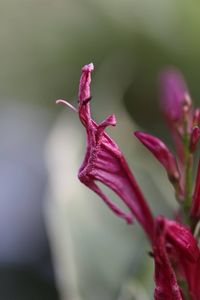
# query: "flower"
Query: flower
{"points": [[174, 247], [104, 162]]}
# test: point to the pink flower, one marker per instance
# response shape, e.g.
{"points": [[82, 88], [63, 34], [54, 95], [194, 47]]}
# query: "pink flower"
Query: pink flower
{"points": [[175, 250], [104, 162]]}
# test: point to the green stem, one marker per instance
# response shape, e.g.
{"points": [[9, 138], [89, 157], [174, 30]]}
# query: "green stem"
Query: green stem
{"points": [[188, 170]]}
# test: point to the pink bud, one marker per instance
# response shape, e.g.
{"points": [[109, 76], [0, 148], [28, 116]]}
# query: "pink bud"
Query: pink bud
{"points": [[194, 138], [174, 95], [161, 152]]}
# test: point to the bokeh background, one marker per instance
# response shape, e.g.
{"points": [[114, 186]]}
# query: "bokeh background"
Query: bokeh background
{"points": [[57, 240]]}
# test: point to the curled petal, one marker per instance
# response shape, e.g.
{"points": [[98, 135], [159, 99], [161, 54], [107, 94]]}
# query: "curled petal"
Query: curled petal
{"points": [[174, 95], [161, 152], [109, 121], [195, 210], [194, 138], [165, 278]]}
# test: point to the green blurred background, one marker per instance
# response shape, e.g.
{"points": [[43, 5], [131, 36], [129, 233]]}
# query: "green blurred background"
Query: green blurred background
{"points": [[44, 44]]}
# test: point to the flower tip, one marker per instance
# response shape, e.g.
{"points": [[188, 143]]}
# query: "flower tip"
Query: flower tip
{"points": [[129, 220], [172, 77], [111, 120], [173, 93], [88, 68], [151, 142], [138, 134]]}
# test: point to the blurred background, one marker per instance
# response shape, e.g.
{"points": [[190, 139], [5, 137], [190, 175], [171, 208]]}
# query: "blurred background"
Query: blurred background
{"points": [[57, 239]]}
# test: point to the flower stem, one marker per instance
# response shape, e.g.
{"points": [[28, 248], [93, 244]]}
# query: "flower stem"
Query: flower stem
{"points": [[188, 169]]}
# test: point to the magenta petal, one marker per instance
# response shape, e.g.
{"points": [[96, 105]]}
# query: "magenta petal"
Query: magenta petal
{"points": [[165, 279], [109, 121], [182, 239], [84, 93], [185, 253], [195, 210], [174, 94], [118, 211], [191, 273], [161, 152], [105, 163]]}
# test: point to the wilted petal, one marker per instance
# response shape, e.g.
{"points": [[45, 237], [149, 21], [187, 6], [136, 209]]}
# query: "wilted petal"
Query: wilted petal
{"points": [[174, 94], [195, 210], [194, 138], [161, 152], [165, 279]]}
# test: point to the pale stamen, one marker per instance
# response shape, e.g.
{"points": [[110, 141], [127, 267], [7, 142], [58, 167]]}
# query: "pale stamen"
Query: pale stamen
{"points": [[61, 101]]}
